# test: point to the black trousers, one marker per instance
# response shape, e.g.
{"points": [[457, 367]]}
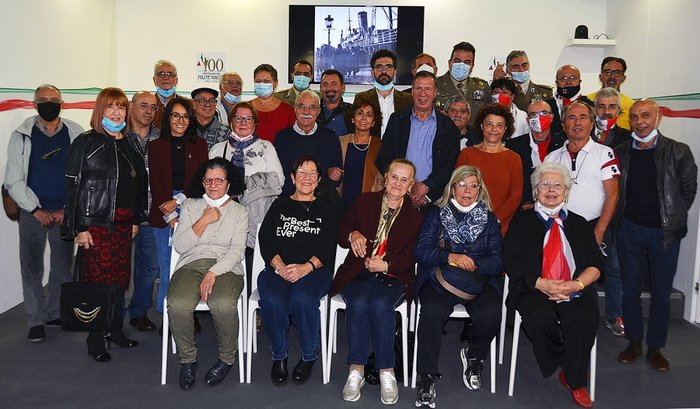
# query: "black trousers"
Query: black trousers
{"points": [[562, 334], [436, 307]]}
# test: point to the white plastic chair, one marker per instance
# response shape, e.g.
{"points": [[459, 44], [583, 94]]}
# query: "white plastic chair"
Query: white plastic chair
{"points": [[337, 303], [458, 312], [254, 305], [514, 356], [202, 306]]}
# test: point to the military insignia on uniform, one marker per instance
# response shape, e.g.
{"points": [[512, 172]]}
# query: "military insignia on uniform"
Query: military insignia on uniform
{"points": [[478, 95], [532, 89]]}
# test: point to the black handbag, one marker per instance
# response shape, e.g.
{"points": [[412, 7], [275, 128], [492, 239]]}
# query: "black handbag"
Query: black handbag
{"points": [[90, 306]]}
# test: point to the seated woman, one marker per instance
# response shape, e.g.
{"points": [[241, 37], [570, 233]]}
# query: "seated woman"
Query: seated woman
{"points": [[459, 262], [210, 238], [297, 241], [552, 258], [375, 279]]}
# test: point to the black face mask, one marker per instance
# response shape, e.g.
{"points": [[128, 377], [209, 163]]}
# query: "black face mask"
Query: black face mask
{"points": [[48, 111], [568, 92]]}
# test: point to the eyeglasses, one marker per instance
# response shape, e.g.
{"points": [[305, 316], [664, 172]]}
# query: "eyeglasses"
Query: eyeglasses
{"points": [[147, 107], [304, 173], [231, 83], [175, 116], [547, 184], [613, 73], [311, 107], [241, 119], [42, 100], [384, 67], [209, 181], [535, 114], [162, 74], [470, 186], [568, 78], [204, 102]]}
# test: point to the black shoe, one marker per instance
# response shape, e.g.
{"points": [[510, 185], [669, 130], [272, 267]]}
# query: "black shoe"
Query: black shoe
{"points": [[197, 325], [120, 339], [425, 395], [302, 371], [187, 375], [279, 371], [36, 333], [472, 368], [142, 323], [54, 323], [217, 373], [96, 347]]}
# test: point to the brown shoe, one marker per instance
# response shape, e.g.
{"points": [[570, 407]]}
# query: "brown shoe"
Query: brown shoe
{"points": [[657, 360], [631, 353]]}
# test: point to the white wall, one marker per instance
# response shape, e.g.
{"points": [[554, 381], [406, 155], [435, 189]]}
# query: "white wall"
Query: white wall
{"points": [[656, 38]]}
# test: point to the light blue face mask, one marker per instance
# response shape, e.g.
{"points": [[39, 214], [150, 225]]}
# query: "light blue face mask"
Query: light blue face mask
{"points": [[460, 71], [262, 89], [383, 88], [165, 93], [301, 82], [521, 76], [111, 126], [232, 99]]}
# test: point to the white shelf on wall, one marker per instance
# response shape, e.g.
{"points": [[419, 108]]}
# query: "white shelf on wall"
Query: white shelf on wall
{"points": [[578, 42]]}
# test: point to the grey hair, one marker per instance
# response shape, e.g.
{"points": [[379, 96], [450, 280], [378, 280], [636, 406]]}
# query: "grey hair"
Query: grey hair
{"points": [[229, 73], [310, 93], [462, 173], [515, 54], [551, 167], [458, 98], [163, 62], [607, 92], [45, 86]]}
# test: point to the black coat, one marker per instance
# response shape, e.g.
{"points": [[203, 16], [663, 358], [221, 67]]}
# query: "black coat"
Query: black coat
{"points": [[521, 146]]}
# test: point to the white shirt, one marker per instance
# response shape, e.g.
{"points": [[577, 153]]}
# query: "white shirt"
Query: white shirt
{"points": [[386, 105], [595, 163], [260, 156]]}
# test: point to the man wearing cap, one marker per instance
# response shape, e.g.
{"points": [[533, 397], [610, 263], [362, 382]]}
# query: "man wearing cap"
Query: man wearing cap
{"points": [[208, 127]]}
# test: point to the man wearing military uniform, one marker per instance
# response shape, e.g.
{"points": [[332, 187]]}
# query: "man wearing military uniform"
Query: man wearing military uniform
{"points": [[301, 75], [518, 68], [457, 81]]}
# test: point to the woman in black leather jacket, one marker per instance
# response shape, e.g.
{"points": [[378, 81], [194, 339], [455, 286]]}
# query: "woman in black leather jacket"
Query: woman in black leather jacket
{"points": [[106, 194]]}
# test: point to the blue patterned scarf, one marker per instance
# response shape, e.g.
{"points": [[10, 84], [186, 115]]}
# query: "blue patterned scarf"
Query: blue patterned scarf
{"points": [[464, 227]]}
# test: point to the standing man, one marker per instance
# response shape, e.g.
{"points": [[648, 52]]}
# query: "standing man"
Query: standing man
{"points": [[518, 68], [143, 109], [612, 74], [422, 62], [607, 129], [302, 73], [387, 98], [208, 127], [424, 136], [568, 91], [459, 82], [458, 109], [36, 162], [334, 111], [230, 88], [165, 79], [659, 182], [594, 169], [534, 146]]}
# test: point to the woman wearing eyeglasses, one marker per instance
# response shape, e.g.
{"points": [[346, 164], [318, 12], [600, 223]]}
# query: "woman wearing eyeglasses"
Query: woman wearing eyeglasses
{"points": [[257, 160], [211, 239], [297, 241], [173, 160], [106, 199], [553, 260], [500, 167]]}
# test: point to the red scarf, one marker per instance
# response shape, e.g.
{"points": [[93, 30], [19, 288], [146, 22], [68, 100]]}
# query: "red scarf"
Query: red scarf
{"points": [[557, 258]]}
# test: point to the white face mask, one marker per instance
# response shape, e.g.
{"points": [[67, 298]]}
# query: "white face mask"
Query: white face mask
{"points": [[215, 202], [549, 212], [463, 209], [647, 138], [425, 67]]}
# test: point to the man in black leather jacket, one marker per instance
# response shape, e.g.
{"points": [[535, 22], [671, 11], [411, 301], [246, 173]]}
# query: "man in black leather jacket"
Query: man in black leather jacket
{"points": [[657, 188]]}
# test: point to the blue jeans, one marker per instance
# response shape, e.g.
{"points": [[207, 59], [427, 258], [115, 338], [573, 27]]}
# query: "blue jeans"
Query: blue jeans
{"points": [[280, 300], [146, 270], [634, 243], [370, 304], [613, 280], [162, 238]]}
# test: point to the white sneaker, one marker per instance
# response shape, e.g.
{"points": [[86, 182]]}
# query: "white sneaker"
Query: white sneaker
{"points": [[351, 390], [390, 389]]}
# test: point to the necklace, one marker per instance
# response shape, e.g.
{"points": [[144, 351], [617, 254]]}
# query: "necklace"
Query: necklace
{"points": [[178, 145], [573, 156], [131, 165], [303, 203], [352, 139]]}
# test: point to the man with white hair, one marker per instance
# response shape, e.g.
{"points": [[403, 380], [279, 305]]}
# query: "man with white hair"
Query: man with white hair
{"points": [[230, 90], [165, 80]]}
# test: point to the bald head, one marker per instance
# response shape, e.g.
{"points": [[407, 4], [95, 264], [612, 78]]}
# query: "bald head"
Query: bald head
{"points": [[568, 76], [645, 116], [538, 106], [143, 109]]}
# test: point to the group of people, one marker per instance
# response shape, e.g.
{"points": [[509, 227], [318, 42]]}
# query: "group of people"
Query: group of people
{"points": [[438, 193]]}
